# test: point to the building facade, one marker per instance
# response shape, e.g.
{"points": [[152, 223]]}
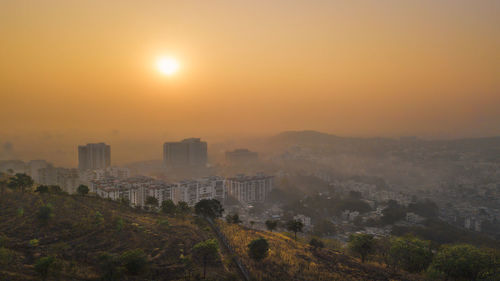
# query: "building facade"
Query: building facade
{"points": [[94, 156], [186, 153], [249, 189]]}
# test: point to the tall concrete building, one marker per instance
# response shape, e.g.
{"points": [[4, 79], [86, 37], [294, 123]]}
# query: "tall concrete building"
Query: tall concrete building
{"points": [[186, 153], [94, 156]]}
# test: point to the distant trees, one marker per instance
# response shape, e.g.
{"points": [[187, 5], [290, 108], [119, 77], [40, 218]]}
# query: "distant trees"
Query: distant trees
{"points": [[42, 189], [45, 213], [134, 261], [206, 252], [316, 243], [210, 208], [82, 190], [3, 184], [233, 218], [324, 227], [361, 244], [393, 213], [271, 225], [151, 202], [47, 266], [21, 181], [258, 249], [294, 226], [461, 262], [410, 253], [168, 207]]}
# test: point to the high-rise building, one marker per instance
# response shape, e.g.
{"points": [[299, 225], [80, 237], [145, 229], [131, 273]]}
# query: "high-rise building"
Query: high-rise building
{"points": [[94, 156], [187, 153]]}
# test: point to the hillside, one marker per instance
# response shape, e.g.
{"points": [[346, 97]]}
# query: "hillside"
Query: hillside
{"points": [[82, 228], [291, 260], [77, 234]]}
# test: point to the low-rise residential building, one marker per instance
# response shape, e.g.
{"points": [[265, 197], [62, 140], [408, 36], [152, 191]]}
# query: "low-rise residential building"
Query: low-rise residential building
{"points": [[249, 189]]}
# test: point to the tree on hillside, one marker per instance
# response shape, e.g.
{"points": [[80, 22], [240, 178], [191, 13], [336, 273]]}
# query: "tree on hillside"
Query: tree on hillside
{"points": [[168, 207], [183, 209], [21, 181], [210, 208], [461, 262], [258, 249], [82, 190], [110, 267], [47, 266], [294, 226], [134, 261], [361, 244], [233, 218], [45, 213], [151, 202], [316, 243], [271, 225], [410, 253], [205, 253]]}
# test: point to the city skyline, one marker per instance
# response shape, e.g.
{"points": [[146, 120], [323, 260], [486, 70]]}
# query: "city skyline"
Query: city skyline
{"points": [[247, 69]]}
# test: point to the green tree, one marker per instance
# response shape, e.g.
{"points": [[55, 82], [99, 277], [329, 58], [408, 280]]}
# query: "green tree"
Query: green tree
{"points": [[183, 209], [258, 249], [134, 261], [45, 213], [294, 226], [206, 252], [461, 262], [361, 244], [151, 202], [271, 225], [410, 253], [233, 218], [316, 243], [110, 267], [168, 207], [82, 190], [47, 266], [210, 208], [21, 181]]}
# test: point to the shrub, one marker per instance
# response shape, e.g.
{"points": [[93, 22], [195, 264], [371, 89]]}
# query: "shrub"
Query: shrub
{"points": [[45, 213], [134, 261], [258, 249], [82, 190]]}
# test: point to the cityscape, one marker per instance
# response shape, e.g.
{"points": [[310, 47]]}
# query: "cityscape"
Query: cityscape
{"points": [[253, 140]]}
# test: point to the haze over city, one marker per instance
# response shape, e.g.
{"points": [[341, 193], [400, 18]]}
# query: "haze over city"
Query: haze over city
{"points": [[83, 71]]}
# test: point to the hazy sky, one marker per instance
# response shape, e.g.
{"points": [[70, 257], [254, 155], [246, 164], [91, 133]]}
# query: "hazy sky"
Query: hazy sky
{"points": [[79, 71]]}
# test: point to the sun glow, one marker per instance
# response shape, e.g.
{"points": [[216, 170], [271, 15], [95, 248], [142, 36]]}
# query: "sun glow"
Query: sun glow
{"points": [[167, 66]]}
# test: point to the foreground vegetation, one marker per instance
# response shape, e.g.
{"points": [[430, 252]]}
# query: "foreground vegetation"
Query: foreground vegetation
{"points": [[52, 236]]}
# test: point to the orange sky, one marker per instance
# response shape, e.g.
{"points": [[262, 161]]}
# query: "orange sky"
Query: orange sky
{"points": [[79, 71]]}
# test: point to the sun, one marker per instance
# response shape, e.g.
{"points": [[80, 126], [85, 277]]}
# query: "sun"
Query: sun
{"points": [[167, 66]]}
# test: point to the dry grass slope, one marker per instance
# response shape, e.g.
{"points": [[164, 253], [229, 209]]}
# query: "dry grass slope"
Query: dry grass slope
{"points": [[291, 260]]}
